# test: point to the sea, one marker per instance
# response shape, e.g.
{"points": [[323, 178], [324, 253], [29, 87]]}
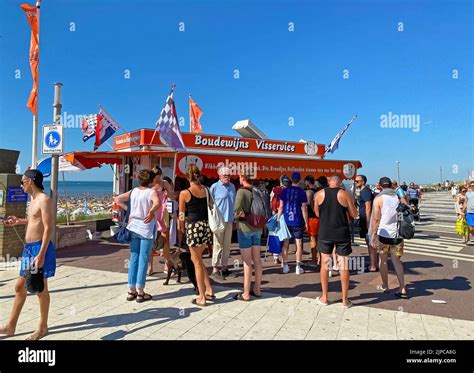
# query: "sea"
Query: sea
{"points": [[81, 188]]}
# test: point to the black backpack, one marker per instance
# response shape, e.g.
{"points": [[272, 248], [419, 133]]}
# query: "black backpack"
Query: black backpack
{"points": [[406, 222]]}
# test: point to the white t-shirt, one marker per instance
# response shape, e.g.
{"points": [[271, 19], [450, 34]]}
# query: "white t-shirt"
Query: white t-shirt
{"points": [[140, 204]]}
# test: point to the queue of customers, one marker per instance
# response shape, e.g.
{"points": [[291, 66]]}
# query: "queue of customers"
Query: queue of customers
{"points": [[320, 208]]}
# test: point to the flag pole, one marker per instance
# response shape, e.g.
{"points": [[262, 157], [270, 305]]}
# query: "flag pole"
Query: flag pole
{"points": [[34, 146]]}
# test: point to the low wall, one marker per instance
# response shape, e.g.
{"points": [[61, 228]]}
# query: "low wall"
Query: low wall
{"points": [[69, 235], [98, 225], [76, 232]]}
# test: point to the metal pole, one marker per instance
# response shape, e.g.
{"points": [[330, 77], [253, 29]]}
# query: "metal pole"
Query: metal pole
{"points": [[57, 105], [398, 172], [65, 196], [441, 176]]}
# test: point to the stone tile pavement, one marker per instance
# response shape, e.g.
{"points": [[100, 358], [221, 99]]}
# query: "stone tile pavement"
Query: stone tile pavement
{"points": [[89, 304]]}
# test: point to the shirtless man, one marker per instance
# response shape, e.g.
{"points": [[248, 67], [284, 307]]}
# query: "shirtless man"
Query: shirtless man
{"points": [[39, 252]]}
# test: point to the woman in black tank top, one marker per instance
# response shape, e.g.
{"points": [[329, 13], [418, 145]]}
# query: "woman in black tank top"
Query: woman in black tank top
{"points": [[198, 233], [196, 208]]}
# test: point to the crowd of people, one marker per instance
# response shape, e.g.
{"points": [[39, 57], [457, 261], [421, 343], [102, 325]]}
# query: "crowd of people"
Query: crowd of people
{"points": [[161, 215]]}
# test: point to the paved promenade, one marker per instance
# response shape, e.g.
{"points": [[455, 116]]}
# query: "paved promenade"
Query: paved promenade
{"points": [[90, 304], [88, 296]]}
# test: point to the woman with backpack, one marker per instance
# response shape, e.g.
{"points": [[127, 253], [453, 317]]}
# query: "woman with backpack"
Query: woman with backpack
{"points": [[249, 238], [193, 208]]}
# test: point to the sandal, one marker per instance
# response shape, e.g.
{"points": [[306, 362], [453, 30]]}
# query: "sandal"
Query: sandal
{"points": [[131, 296], [401, 295], [240, 296], [382, 289], [320, 302], [210, 297], [194, 301], [252, 293], [143, 297], [347, 306]]}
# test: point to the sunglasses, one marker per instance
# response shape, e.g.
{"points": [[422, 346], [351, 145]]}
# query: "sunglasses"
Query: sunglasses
{"points": [[359, 181]]}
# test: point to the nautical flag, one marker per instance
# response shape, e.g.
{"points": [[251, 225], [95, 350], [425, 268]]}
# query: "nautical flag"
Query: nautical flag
{"points": [[332, 147], [32, 16], [167, 124], [105, 128], [88, 126], [195, 114]]}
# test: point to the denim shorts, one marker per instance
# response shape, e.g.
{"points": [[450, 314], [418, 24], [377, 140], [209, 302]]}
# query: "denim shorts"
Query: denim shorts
{"points": [[247, 240]]}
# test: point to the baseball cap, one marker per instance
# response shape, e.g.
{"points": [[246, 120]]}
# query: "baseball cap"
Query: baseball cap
{"points": [[285, 180], [385, 182], [296, 176], [36, 176], [309, 178]]}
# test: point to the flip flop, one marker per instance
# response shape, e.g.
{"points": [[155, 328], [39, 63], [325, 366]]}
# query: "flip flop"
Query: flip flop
{"points": [[239, 296], [252, 293], [382, 289], [318, 299], [210, 297], [401, 295], [347, 306], [194, 301]]}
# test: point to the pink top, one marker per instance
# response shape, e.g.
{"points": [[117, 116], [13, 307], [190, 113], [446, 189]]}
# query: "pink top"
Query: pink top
{"points": [[160, 223]]}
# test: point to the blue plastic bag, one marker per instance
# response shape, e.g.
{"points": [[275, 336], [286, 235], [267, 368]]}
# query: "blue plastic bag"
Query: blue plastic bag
{"points": [[272, 223], [274, 244]]}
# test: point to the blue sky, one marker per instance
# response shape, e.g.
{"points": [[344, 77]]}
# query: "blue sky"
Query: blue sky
{"points": [[283, 74]]}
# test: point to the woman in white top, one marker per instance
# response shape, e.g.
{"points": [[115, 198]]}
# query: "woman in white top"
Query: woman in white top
{"points": [[384, 235], [144, 203]]}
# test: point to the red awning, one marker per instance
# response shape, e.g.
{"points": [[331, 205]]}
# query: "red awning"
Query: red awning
{"points": [[97, 159]]}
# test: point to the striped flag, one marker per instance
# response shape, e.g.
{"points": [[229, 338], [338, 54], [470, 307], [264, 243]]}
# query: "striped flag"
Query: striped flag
{"points": [[101, 125], [105, 127], [332, 147], [167, 124]]}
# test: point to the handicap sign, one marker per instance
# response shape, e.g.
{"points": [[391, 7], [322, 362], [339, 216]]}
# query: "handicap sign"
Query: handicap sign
{"points": [[16, 194], [53, 139]]}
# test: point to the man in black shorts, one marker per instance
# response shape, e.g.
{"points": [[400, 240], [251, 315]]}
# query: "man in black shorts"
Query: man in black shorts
{"points": [[334, 206], [366, 198]]}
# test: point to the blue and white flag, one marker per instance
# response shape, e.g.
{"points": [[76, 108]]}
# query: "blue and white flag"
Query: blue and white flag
{"points": [[105, 127], [332, 147], [167, 124]]}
